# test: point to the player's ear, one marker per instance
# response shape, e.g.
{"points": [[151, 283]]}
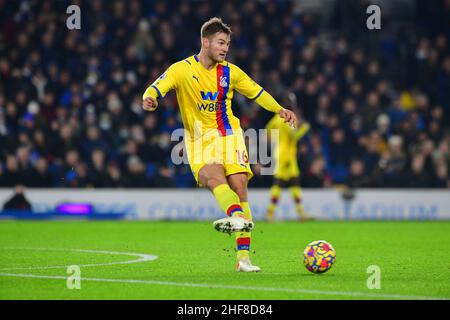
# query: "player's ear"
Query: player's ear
{"points": [[205, 42]]}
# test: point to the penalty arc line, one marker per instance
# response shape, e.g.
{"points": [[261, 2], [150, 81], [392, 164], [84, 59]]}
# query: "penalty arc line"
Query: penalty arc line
{"points": [[142, 258], [251, 288]]}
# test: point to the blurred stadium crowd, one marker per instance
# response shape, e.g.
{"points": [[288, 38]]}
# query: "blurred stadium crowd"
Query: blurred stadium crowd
{"points": [[70, 100]]}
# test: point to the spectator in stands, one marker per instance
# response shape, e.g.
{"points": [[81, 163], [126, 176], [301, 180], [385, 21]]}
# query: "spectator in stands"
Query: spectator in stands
{"points": [[357, 177], [18, 201], [114, 176], [135, 176], [392, 164], [316, 177], [97, 171], [416, 177], [40, 176], [65, 94], [11, 175], [441, 178]]}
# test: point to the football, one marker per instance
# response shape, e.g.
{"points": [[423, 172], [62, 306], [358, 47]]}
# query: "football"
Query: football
{"points": [[319, 256]]}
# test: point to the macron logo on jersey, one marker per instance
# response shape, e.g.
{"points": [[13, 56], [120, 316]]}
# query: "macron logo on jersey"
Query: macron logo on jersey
{"points": [[209, 95]]}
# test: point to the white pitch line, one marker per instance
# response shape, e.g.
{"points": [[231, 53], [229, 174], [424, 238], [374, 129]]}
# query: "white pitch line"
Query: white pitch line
{"points": [[251, 288], [142, 258], [147, 257]]}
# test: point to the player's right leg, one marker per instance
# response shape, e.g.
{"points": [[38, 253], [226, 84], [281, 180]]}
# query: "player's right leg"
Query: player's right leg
{"points": [[213, 177], [238, 182]]}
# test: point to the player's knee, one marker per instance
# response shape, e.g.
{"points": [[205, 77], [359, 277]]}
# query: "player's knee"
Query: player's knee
{"points": [[210, 183], [241, 191], [211, 176]]}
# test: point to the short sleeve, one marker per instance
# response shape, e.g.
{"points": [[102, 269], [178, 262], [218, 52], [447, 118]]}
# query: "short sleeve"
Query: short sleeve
{"points": [[167, 81]]}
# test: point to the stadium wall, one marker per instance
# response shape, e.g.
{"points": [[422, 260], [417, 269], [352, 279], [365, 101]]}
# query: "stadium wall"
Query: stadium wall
{"points": [[167, 204]]}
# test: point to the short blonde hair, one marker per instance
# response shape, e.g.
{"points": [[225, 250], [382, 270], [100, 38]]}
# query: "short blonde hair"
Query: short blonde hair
{"points": [[212, 26]]}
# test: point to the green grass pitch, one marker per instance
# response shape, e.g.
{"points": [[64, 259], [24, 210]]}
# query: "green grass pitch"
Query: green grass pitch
{"points": [[196, 262]]}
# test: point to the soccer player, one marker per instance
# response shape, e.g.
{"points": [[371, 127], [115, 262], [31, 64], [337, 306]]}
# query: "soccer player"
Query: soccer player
{"points": [[216, 151], [287, 173]]}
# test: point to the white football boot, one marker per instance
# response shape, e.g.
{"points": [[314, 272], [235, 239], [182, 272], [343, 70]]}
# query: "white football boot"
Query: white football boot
{"points": [[234, 224], [245, 265]]}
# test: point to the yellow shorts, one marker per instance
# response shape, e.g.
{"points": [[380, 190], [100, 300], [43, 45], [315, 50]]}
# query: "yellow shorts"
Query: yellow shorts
{"points": [[230, 151], [287, 170]]}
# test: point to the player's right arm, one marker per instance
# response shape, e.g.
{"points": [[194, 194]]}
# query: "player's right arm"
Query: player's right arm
{"points": [[158, 89]]}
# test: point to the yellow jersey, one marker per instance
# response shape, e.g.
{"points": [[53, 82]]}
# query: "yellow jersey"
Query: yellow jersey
{"points": [[286, 148], [204, 96]]}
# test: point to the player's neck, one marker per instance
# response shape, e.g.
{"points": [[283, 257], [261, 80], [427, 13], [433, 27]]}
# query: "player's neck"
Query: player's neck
{"points": [[206, 61]]}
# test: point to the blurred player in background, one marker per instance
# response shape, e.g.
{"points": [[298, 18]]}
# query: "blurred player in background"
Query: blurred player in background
{"points": [[204, 85], [287, 172]]}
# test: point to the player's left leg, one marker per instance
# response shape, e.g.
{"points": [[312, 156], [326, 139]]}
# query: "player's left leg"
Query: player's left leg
{"points": [[238, 183], [213, 177]]}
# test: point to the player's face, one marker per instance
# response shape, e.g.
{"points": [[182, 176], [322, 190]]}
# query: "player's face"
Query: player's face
{"points": [[217, 47]]}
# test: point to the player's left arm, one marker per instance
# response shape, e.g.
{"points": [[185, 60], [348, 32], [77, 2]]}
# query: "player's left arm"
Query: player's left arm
{"points": [[249, 88]]}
